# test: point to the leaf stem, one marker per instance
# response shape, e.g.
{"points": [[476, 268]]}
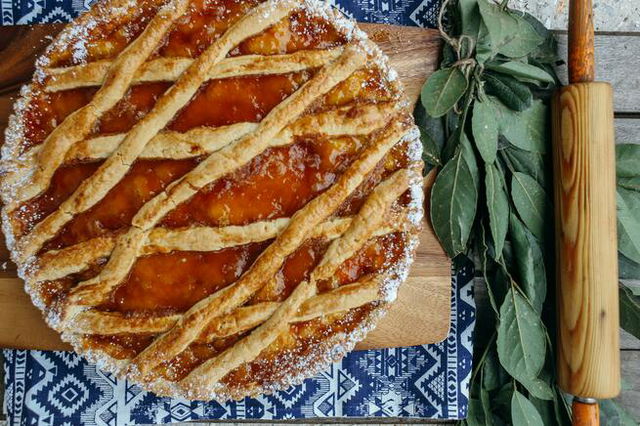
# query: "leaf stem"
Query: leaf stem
{"points": [[478, 366]]}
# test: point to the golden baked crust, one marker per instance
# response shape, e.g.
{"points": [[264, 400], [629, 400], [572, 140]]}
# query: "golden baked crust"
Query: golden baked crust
{"points": [[192, 246]]}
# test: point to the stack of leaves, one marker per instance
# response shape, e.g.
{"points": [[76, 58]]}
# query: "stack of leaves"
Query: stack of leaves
{"points": [[484, 123]]}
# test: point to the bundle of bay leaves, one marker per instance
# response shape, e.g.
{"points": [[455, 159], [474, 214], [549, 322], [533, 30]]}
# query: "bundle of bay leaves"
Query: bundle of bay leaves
{"points": [[484, 120]]}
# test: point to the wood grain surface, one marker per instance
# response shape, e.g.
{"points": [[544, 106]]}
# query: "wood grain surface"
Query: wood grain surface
{"points": [[421, 313], [581, 53], [588, 359]]}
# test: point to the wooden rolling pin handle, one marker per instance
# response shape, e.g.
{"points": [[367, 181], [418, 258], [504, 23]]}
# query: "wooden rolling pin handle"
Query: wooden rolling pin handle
{"points": [[586, 241], [585, 412], [581, 55]]}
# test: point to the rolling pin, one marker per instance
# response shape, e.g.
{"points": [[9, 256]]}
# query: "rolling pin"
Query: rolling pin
{"points": [[588, 356]]}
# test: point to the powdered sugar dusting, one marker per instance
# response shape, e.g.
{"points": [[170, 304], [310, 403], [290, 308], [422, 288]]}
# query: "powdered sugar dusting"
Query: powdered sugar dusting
{"points": [[291, 368]]}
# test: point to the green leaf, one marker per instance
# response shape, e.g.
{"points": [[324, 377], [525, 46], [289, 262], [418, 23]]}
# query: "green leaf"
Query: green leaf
{"points": [[530, 201], [521, 338], [524, 40], [443, 89], [475, 414], [611, 414], [485, 130], [627, 160], [491, 377], [547, 52], [486, 406], [628, 269], [546, 410], [521, 70], [453, 202], [538, 388], [629, 311], [470, 158], [523, 412], [498, 207], [503, 396], [470, 16], [509, 33], [432, 146], [632, 183], [526, 129], [531, 163], [529, 262], [484, 51], [511, 92], [628, 224]]}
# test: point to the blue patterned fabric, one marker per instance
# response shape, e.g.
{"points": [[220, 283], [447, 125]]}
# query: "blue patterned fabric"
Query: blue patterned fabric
{"points": [[422, 13], [430, 381]]}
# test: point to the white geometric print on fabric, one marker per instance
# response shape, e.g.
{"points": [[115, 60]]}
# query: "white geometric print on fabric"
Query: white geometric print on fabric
{"points": [[422, 13]]}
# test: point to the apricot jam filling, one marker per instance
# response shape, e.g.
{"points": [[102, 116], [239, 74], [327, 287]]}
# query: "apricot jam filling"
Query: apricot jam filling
{"points": [[161, 284], [173, 282], [192, 34], [275, 184]]}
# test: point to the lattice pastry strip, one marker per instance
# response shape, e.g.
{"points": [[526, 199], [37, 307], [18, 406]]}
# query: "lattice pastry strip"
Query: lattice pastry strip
{"points": [[224, 314], [343, 298], [117, 80], [116, 166], [218, 164], [303, 222], [367, 219], [170, 69]]}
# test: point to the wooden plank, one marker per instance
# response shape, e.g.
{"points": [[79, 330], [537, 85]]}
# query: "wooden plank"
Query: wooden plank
{"points": [[618, 62], [628, 130], [630, 393], [424, 300]]}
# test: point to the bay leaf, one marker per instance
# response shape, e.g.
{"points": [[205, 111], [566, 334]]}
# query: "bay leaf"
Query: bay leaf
{"points": [[632, 183], [521, 338], [470, 158], [494, 376], [484, 51], [530, 201], [524, 39], [503, 397], [485, 130], [486, 406], [498, 207], [523, 412], [628, 204], [525, 129], [432, 145], [529, 263], [547, 51], [443, 89], [629, 311], [546, 410], [521, 70], [453, 203], [513, 94], [475, 413], [628, 269], [538, 388], [509, 33], [530, 163], [470, 17], [627, 163]]}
